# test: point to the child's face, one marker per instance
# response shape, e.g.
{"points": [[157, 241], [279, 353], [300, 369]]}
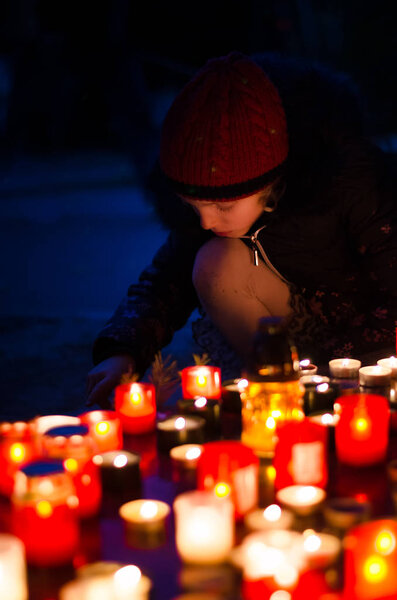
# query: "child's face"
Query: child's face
{"points": [[228, 218]]}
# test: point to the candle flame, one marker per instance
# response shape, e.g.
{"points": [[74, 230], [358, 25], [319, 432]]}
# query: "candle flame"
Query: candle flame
{"points": [[242, 384], [200, 402], [361, 424], [71, 465], [180, 423], [17, 453], [270, 473], [375, 569], [345, 362], [135, 398], [306, 493], [102, 428], [44, 509], [312, 543], [148, 510], [322, 387], [385, 542], [127, 578], [271, 423], [193, 453], [272, 513], [327, 419], [201, 379], [120, 461], [222, 489]]}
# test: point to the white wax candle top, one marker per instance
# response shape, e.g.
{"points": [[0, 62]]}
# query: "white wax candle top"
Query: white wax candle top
{"points": [[179, 423], [189, 453], [301, 495], [115, 458], [144, 511]]}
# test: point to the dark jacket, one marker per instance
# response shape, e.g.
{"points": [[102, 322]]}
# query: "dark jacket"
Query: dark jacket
{"points": [[332, 237]]}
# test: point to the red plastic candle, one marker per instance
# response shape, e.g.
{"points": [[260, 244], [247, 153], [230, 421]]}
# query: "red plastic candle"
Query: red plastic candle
{"points": [[201, 380], [44, 513], [135, 405], [370, 561], [230, 468], [17, 447], [362, 431], [301, 454], [105, 428], [75, 446]]}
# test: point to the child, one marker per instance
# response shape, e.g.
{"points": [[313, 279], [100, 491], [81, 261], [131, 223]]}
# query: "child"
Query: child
{"points": [[279, 206]]}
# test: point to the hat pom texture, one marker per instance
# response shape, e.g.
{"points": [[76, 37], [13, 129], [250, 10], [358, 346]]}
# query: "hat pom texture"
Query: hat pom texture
{"points": [[225, 134]]}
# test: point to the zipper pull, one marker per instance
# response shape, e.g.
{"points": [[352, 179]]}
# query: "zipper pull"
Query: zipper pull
{"points": [[255, 250]]}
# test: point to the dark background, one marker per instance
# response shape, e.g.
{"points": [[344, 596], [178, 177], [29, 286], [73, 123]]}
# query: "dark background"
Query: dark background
{"points": [[84, 86]]}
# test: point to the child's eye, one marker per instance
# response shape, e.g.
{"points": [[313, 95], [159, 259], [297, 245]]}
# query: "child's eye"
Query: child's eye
{"points": [[224, 207]]}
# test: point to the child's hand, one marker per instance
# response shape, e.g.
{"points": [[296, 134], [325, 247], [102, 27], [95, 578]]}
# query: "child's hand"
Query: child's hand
{"points": [[103, 378]]}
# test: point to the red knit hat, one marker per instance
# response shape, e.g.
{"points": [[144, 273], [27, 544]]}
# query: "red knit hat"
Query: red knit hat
{"points": [[225, 135]]}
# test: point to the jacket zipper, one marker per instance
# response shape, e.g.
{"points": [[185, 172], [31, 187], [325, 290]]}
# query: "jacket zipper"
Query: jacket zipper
{"points": [[257, 249]]}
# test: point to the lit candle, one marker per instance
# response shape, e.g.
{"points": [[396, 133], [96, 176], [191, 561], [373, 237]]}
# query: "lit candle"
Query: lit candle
{"points": [[370, 561], [344, 368], [105, 428], [120, 470], [301, 455], [321, 549], [231, 394], [271, 517], [389, 363], [44, 513], [319, 396], [301, 499], [75, 446], [209, 410], [128, 582], [204, 527], [178, 430], [201, 380], [362, 431], [306, 367], [374, 376], [343, 513], [313, 380], [46, 422], [135, 405], [144, 515], [18, 446], [228, 467], [13, 579], [187, 455]]}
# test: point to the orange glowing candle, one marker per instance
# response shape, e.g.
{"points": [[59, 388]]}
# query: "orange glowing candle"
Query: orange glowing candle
{"points": [[17, 447], [105, 428], [135, 405], [201, 380]]}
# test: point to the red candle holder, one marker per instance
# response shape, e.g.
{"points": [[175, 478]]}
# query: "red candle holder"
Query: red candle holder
{"points": [[135, 405], [44, 513], [230, 468], [105, 428], [201, 380], [301, 454], [362, 431], [370, 561], [17, 447], [75, 446]]}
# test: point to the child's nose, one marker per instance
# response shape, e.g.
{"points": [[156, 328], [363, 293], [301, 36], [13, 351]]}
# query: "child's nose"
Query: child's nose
{"points": [[207, 219]]}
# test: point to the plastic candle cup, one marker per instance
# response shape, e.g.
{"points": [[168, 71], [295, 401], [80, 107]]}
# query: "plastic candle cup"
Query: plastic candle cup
{"points": [[362, 431], [186, 456], [145, 522], [178, 430], [389, 363], [344, 368], [105, 428], [306, 367], [301, 499], [370, 561], [13, 579], [343, 513], [44, 513], [76, 448], [231, 394], [231, 464], [374, 376], [204, 527], [271, 517], [319, 395], [321, 549], [135, 405], [201, 380], [119, 470], [127, 582], [17, 447], [301, 454]]}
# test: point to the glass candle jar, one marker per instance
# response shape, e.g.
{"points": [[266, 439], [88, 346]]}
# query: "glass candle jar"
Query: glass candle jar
{"points": [[13, 579], [76, 447], [17, 447], [135, 405], [201, 380], [44, 513], [105, 428]]}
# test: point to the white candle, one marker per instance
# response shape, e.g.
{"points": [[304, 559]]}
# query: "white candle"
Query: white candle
{"points": [[327, 419], [144, 514], [13, 579], [314, 380], [306, 368], [186, 455], [127, 583], [302, 499], [344, 367], [321, 549], [43, 424], [204, 527], [271, 517], [389, 363], [374, 376]]}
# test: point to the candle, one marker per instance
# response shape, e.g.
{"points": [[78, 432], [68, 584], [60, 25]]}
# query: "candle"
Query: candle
{"points": [[44, 513], [119, 470], [301, 455], [271, 517], [321, 549], [389, 363], [18, 446], [105, 428], [306, 367], [343, 513], [46, 422], [187, 455], [327, 420], [313, 380], [370, 561], [135, 405], [128, 582], [319, 396], [146, 515], [374, 376], [301, 499], [75, 446], [344, 368], [362, 431], [228, 467], [204, 527], [209, 410], [201, 380], [231, 390], [13, 578], [178, 430]]}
